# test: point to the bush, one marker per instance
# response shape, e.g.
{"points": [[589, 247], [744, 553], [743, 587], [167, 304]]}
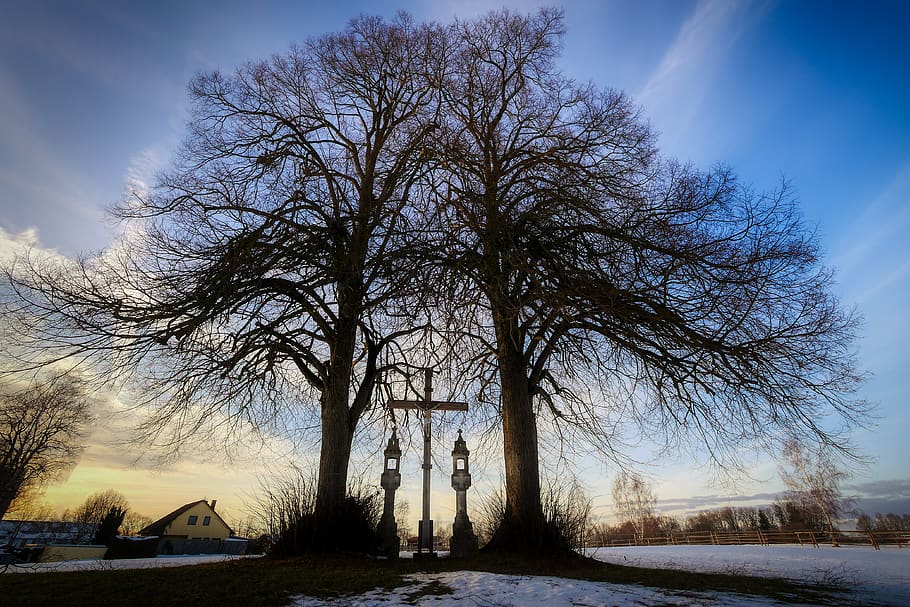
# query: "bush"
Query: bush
{"points": [[566, 512], [285, 508]]}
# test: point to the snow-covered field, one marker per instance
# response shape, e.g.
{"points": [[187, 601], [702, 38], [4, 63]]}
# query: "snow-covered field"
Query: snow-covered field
{"points": [[875, 577], [99, 565]]}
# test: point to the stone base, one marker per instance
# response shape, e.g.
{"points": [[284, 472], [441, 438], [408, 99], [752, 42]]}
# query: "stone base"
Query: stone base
{"points": [[463, 542], [390, 543]]}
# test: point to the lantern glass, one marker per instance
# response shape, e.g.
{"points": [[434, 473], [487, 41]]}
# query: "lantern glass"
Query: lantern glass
{"points": [[392, 463], [460, 463]]}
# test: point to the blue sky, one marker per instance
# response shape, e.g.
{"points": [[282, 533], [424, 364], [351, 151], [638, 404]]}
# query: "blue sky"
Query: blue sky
{"points": [[92, 98]]}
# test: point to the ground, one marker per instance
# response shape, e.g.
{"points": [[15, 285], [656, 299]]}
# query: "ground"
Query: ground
{"points": [[825, 576]]}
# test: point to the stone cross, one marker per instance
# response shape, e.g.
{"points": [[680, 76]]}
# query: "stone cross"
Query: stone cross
{"points": [[427, 405]]}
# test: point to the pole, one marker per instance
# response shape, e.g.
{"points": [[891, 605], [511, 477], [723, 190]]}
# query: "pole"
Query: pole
{"points": [[427, 535]]}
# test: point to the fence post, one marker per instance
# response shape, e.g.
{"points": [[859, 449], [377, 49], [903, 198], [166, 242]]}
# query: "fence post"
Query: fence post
{"points": [[873, 541]]}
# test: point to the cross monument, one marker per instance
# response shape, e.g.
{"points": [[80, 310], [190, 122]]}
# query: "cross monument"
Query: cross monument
{"points": [[427, 405]]}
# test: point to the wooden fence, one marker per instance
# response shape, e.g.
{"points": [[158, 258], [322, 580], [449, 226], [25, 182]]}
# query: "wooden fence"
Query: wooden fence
{"points": [[876, 539]]}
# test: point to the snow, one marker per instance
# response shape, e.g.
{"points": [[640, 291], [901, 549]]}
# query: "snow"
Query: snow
{"points": [[103, 565], [480, 589], [881, 576], [875, 577]]}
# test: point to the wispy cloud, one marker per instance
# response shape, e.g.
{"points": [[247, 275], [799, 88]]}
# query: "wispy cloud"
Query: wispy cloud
{"points": [[674, 93], [890, 488], [872, 248], [702, 502], [141, 173]]}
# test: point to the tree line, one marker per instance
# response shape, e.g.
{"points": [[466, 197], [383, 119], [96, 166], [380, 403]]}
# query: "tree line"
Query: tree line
{"points": [[100, 517], [406, 194], [782, 515]]}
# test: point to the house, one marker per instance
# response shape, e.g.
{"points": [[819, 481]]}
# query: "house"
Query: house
{"points": [[17, 534], [194, 528]]}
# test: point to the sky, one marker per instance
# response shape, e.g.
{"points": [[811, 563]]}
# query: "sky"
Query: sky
{"points": [[93, 102]]}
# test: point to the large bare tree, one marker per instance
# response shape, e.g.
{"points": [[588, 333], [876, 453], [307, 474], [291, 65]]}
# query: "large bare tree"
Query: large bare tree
{"points": [[267, 271], [606, 284], [41, 432]]}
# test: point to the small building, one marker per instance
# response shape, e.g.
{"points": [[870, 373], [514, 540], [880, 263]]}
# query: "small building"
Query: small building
{"points": [[193, 528], [17, 534]]}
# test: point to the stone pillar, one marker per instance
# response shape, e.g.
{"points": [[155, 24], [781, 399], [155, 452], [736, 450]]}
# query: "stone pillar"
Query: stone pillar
{"points": [[389, 543], [464, 542]]}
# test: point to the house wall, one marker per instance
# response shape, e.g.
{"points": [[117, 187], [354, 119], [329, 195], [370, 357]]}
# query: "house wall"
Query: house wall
{"points": [[214, 530], [176, 545], [62, 552]]}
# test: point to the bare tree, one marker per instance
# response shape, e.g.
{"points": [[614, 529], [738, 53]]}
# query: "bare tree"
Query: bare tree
{"points": [[402, 514], [41, 432], [90, 513], [29, 505], [269, 270], [604, 284], [133, 522], [634, 501], [813, 479]]}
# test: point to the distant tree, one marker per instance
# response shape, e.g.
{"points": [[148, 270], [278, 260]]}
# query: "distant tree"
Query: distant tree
{"points": [[764, 522], [89, 515], [109, 526], [633, 500], [883, 522], [29, 505], [605, 534], [814, 482], [41, 431], [402, 514], [133, 523]]}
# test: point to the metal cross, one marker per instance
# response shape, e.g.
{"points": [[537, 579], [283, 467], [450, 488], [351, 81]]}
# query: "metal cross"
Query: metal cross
{"points": [[427, 405]]}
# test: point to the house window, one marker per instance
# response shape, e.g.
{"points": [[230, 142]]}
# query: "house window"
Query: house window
{"points": [[206, 521], [192, 520]]}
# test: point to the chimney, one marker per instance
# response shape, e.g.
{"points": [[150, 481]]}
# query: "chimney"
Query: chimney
{"points": [[212, 505]]}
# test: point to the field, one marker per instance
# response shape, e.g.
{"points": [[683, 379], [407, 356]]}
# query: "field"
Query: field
{"points": [[666, 575]]}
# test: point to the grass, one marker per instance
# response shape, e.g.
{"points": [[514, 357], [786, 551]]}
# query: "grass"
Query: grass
{"points": [[254, 582]]}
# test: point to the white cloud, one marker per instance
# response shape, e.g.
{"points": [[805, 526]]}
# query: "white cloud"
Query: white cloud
{"points": [[140, 173], [26, 241]]}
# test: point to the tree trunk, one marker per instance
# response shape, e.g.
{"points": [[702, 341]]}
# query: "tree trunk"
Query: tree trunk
{"points": [[519, 430], [337, 434], [6, 498], [335, 454], [523, 528], [10, 483]]}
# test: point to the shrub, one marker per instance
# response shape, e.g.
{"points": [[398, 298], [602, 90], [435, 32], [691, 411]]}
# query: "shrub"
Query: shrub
{"points": [[286, 505]]}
